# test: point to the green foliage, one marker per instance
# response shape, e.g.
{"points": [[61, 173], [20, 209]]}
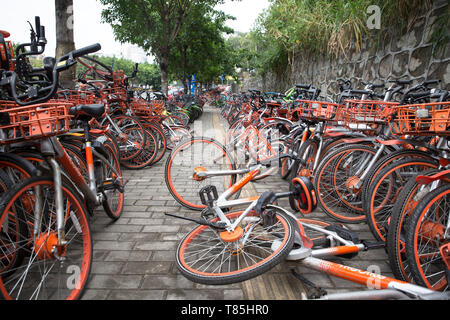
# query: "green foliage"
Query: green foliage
{"points": [[324, 27], [201, 48], [440, 35], [154, 25]]}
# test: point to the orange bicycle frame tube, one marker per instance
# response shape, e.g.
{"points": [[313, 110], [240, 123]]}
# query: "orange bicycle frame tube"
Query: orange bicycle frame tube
{"points": [[239, 185], [74, 173], [369, 279]]}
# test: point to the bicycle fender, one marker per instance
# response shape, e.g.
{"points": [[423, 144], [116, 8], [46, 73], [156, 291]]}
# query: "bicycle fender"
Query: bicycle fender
{"points": [[429, 179]]}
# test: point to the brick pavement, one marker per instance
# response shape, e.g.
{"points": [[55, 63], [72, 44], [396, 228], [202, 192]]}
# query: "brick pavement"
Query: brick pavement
{"points": [[134, 257]]}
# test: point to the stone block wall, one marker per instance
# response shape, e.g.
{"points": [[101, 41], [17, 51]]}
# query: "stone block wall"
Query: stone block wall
{"points": [[410, 55]]}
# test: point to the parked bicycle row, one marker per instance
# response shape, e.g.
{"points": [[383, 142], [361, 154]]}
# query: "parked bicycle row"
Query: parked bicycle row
{"points": [[377, 155], [62, 157]]}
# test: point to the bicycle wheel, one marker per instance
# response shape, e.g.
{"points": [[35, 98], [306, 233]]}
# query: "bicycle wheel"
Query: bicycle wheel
{"points": [[16, 167], [234, 131], [174, 135], [209, 257], [9, 259], [111, 183], [173, 120], [387, 160], [48, 271], [147, 154], [161, 139], [335, 180], [426, 236], [201, 154], [182, 116], [409, 197], [287, 164], [133, 137], [385, 191]]}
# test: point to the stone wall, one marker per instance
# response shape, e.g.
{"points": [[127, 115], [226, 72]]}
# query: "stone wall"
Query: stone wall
{"points": [[409, 55]]}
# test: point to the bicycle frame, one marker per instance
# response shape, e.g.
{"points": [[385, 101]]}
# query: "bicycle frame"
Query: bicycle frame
{"points": [[58, 159]]}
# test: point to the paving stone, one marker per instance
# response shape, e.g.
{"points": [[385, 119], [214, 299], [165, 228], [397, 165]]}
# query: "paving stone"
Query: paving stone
{"points": [[163, 256], [161, 228], [181, 294], [115, 281], [151, 267], [128, 256], [143, 222], [113, 236], [113, 245], [94, 294], [123, 228], [136, 214], [137, 295], [166, 282], [106, 267], [233, 295], [139, 236], [156, 245]]}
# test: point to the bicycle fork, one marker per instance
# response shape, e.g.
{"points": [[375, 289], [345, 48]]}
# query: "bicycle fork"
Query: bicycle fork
{"points": [[57, 157]]}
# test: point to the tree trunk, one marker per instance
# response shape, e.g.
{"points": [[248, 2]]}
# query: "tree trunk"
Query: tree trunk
{"points": [[164, 66], [64, 38], [185, 86]]}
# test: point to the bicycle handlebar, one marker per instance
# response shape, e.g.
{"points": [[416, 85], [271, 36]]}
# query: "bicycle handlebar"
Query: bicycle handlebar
{"points": [[63, 63], [80, 52]]}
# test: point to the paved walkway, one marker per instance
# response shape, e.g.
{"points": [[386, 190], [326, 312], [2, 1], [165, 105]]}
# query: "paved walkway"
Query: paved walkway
{"points": [[134, 257]]}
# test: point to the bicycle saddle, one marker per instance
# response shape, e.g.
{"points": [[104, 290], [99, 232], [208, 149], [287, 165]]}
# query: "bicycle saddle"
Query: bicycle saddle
{"points": [[87, 111], [5, 34]]}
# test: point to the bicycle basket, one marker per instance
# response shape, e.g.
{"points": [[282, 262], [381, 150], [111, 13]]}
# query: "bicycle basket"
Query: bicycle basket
{"points": [[316, 110], [114, 94], [143, 108], [77, 97], [422, 119], [362, 114], [20, 124]]}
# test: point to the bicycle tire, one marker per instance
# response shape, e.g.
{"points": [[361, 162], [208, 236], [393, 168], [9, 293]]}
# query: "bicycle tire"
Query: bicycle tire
{"points": [[387, 160], [132, 127], [402, 210], [147, 154], [180, 181], [161, 140], [17, 167], [284, 235], [427, 267], [330, 200], [378, 207], [112, 209]]}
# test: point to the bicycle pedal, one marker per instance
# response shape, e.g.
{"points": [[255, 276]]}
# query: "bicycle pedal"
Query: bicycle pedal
{"points": [[113, 185], [208, 195]]}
